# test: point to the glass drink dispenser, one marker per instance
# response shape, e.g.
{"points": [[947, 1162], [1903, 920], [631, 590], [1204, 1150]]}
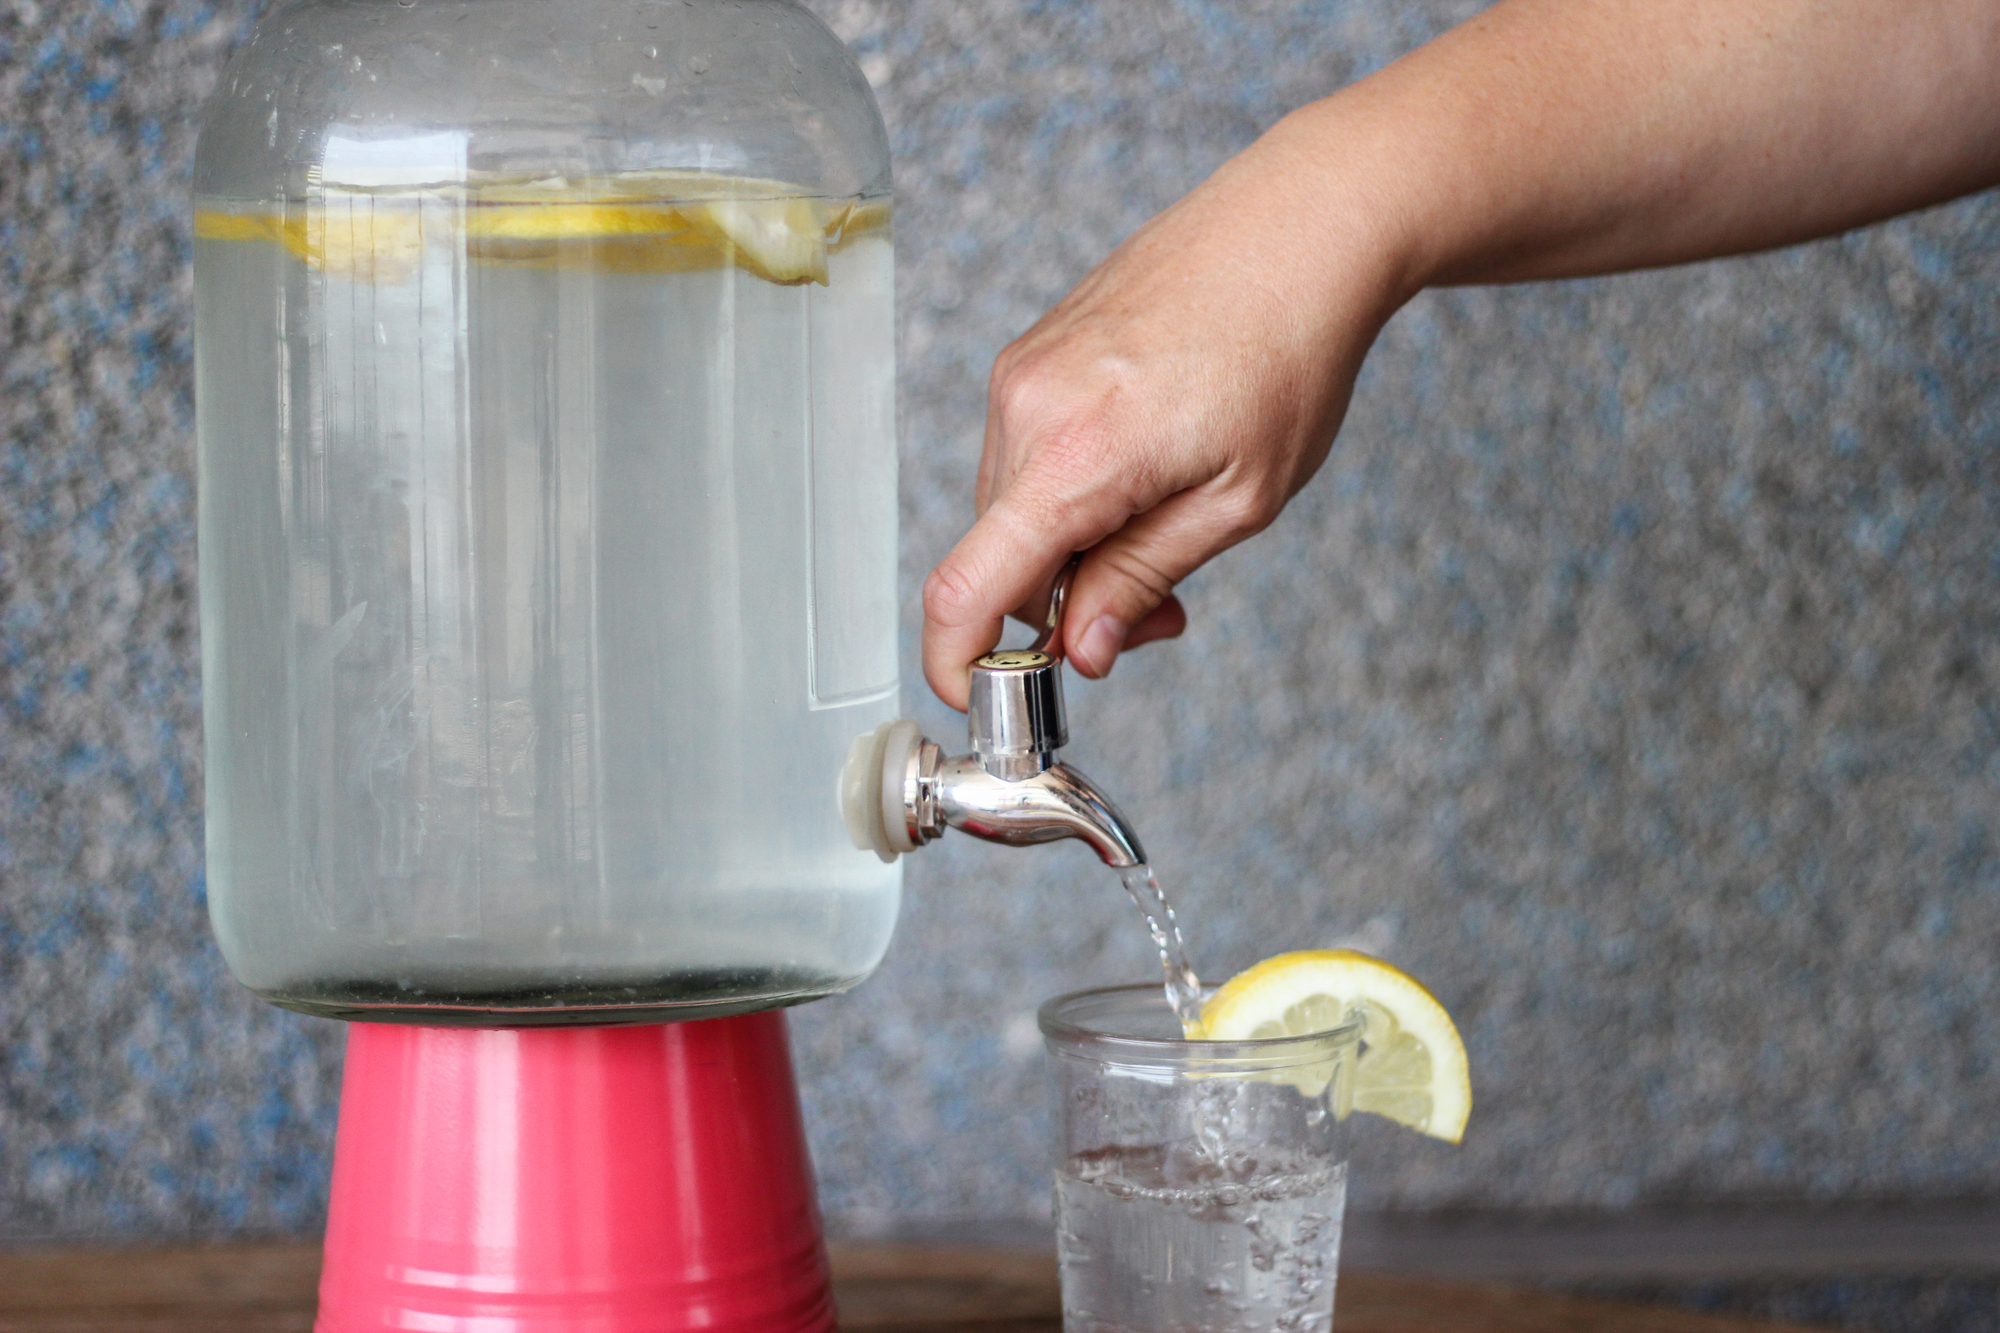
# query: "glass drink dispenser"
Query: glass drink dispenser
{"points": [[548, 508], [545, 390]]}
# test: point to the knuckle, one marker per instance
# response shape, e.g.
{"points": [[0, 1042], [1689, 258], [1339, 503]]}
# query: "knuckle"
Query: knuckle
{"points": [[949, 594], [1155, 583], [1245, 510], [1044, 389], [1019, 370], [1000, 383], [1025, 403]]}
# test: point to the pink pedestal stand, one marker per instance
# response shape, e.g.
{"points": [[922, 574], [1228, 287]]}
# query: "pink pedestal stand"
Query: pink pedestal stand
{"points": [[573, 1180]]}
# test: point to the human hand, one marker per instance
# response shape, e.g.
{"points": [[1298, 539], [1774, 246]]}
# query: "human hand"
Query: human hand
{"points": [[1165, 410]]}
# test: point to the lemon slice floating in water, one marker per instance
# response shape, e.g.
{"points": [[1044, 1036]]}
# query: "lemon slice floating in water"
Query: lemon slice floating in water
{"points": [[638, 222], [1412, 1067]]}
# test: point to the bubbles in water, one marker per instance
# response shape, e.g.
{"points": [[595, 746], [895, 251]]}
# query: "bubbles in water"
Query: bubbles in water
{"points": [[1151, 1239]]}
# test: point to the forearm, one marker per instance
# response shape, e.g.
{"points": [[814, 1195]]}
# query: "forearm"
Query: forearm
{"points": [[1557, 138]]}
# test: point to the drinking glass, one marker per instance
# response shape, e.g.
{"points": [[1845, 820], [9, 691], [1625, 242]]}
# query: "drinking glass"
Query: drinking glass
{"points": [[1199, 1184]]}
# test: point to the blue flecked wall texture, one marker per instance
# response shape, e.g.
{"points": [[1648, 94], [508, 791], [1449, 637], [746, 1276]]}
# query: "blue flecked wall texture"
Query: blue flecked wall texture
{"points": [[1632, 672]]}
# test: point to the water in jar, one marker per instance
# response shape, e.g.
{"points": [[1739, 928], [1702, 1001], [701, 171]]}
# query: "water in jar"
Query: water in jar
{"points": [[548, 540]]}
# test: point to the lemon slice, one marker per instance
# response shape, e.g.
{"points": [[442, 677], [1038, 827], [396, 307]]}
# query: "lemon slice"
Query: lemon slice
{"points": [[640, 222], [1412, 1068], [780, 240]]}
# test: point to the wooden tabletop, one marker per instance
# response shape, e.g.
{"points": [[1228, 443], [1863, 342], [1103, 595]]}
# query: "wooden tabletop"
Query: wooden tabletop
{"points": [[269, 1288]]}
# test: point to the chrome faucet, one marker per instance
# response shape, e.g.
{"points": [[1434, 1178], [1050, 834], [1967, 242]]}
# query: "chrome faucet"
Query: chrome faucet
{"points": [[900, 791]]}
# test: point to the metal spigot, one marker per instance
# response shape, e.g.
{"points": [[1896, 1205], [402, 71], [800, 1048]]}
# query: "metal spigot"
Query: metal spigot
{"points": [[900, 791]]}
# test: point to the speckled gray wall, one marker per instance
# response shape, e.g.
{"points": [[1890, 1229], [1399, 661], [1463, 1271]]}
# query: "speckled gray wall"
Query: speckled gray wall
{"points": [[1631, 673]]}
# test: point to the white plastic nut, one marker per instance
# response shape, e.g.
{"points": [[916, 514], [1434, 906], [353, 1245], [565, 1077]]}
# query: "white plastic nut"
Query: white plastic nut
{"points": [[871, 788], [860, 788]]}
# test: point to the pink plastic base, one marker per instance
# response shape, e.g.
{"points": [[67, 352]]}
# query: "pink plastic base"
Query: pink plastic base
{"points": [[573, 1180]]}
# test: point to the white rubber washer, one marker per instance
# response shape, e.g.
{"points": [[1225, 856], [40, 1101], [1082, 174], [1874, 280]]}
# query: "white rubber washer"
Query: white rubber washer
{"points": [[860, 803], [871, 788]]}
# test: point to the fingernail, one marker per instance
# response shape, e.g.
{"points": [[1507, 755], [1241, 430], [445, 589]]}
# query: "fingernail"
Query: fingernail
{"points": [[1101, 643]]}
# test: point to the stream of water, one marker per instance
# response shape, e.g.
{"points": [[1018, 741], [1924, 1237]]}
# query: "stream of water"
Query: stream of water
{"points": [[1183, 986]]}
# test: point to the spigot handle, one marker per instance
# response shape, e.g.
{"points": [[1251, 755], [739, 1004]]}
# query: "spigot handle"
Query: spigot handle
{"points": [[1051, 640]]}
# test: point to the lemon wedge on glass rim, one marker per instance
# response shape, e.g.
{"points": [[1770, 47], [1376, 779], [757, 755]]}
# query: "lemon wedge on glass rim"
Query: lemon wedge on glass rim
{"points": [[1412, 1067]]}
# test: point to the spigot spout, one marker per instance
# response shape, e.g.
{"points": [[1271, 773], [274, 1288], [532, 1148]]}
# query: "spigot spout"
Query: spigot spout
{"points": [[1058, 802]]}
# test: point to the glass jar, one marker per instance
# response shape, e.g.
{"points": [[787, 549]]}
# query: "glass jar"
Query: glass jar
{"points": [[545, 367]]}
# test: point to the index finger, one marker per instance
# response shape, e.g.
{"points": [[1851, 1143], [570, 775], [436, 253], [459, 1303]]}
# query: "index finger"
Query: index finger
{"points": [[1008, 557]]}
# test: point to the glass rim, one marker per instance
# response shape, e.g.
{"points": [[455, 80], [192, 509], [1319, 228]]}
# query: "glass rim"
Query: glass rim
{"points": [[1063, 1028]]}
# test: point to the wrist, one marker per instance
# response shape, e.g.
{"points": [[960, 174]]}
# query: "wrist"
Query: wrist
{"points": [[1320, 207], [1356, 168]]}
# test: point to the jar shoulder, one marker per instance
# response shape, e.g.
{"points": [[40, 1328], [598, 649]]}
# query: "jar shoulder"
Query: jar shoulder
{"points": [[582, 89]]}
